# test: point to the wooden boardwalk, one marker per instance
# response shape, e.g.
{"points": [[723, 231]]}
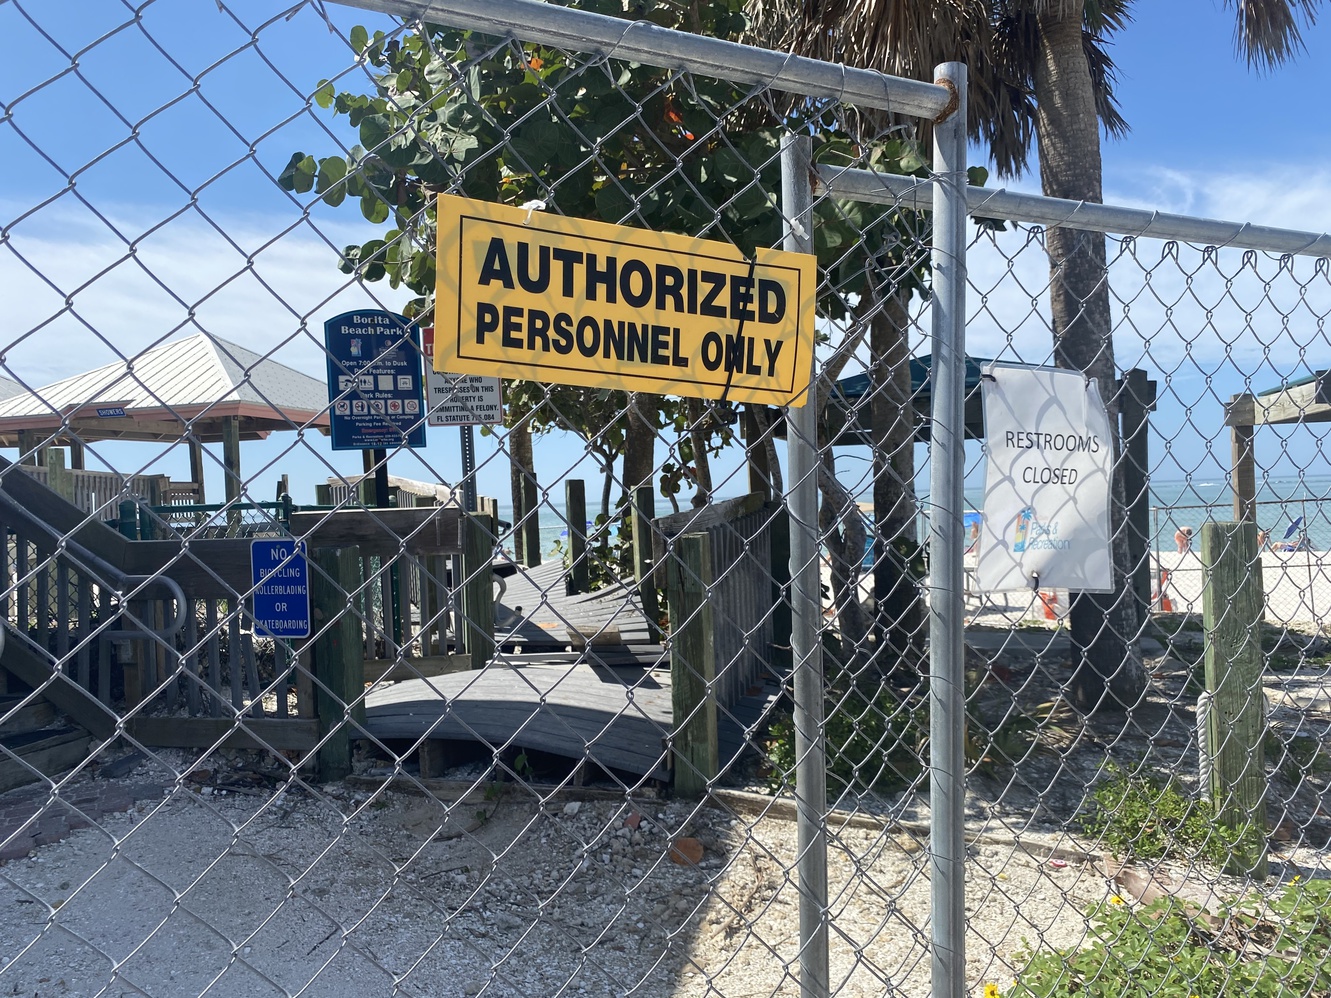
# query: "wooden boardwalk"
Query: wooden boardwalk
{"points": [[536, 614], [582, 677], [617, 718]]}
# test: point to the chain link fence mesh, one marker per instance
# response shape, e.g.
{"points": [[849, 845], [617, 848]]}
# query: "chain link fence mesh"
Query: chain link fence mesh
{"points": [[546, 746]]}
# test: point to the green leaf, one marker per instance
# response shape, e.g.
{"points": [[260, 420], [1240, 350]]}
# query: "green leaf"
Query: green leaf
{"points": [[612, 204], [331, 171], [374, 208], [380, 134], [299, 174], [360, 39], [730, 168], [911, 161], [325, 95], [753, 201]]}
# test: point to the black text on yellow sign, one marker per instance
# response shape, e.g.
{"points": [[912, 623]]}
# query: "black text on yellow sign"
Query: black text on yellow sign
{"points": [[568, 301]]}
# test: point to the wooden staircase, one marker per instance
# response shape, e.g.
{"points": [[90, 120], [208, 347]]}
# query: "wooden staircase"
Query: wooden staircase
{"points": [[33, 736], [44, 735]]}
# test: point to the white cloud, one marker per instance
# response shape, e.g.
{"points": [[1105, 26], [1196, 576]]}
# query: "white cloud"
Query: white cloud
{"points": [[1291, 197], [80, 293]]}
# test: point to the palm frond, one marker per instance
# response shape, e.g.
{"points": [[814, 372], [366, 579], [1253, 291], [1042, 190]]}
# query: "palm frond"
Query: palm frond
{"points": [[1268, 33], [998, 40]]}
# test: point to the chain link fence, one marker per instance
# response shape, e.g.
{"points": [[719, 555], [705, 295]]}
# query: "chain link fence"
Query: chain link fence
{"points": [[567, 735]]}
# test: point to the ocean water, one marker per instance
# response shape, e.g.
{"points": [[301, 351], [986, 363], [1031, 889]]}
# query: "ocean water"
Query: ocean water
{"points": [[554, 527], [1284, 506], [1292, 505], [1174, 504]]}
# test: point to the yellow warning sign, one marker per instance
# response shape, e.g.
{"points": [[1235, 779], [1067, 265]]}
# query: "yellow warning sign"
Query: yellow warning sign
{"points": [[534, 295]]}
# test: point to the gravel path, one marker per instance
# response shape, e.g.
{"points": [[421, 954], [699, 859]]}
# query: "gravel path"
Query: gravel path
{"points": [[346, 892], [226, 878]]}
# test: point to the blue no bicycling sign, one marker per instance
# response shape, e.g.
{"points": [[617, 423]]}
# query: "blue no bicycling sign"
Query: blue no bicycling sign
{"points": [[281, 576]]}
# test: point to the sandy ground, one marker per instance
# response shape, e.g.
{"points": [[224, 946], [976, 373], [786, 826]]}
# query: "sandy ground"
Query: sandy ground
{"points": [[349, 891], [239, 880], [1297, 585]]}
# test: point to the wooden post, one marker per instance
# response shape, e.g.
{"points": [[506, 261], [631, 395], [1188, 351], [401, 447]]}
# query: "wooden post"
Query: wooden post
{"points": [[128, 523], [196, 467], [1232, 605], [1136, 399], [31, 447], [1244, 473], [644, 512], [433, 758], [58, 478], [231, 465], [692, 665], [475, 583], [575, 503], [339, 665], [77, 458]]}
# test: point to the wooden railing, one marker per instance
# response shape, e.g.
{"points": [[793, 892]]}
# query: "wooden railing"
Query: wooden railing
{"points": [[160, 632], [99, 491], [723, 568]]}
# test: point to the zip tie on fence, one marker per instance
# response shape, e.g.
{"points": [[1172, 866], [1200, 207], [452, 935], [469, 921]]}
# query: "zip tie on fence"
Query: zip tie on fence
{"points": [[536, 204]]}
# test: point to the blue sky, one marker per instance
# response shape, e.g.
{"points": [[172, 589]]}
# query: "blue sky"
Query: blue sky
{"points": [[165, 167]]}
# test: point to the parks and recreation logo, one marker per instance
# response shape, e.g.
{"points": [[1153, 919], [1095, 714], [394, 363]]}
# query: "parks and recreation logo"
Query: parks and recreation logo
{"points": [[1032, 534]]}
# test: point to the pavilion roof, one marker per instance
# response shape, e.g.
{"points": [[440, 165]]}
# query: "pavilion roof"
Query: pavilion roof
{"points": [[194, 382]]}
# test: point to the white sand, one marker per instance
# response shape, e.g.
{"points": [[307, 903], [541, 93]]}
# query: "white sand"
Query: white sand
{"points": [[1297, 584]]}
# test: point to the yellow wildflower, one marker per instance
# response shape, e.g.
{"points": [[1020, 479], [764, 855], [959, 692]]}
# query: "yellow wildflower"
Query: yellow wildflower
{"points": [[991, 990]]}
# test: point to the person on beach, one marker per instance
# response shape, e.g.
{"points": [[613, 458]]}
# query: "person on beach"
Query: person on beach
{"points": [[1263, 538], [1183, 538]]}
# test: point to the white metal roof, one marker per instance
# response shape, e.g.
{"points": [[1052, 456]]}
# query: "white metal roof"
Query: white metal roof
{"points": [[197, 379]]}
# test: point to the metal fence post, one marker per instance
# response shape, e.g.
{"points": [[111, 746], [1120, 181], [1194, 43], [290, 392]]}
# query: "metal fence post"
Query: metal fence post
{"points": [[806, 610], [947, 703]]}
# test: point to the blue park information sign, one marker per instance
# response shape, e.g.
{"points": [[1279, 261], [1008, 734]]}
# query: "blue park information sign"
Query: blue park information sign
{"points": [[281, 577], [376, 395]]}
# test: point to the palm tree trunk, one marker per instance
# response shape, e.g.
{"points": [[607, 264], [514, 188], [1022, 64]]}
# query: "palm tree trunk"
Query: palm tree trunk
{"points": [[1107, 666]]}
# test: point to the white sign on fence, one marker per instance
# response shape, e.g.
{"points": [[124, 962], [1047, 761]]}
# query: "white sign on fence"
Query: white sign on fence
{"points": [[460, 399], [1047, 487]]}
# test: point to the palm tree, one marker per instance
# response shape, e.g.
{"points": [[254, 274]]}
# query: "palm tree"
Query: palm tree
{"points": [[1037, 69]]}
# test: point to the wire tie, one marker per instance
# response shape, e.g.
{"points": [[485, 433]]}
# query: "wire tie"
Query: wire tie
{"points": [[534, 205]]}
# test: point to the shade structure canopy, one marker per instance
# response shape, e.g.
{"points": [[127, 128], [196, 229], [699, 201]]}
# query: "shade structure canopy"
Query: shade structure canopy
{"points": [[188, 388], [850, 405], [1307, 400]]}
